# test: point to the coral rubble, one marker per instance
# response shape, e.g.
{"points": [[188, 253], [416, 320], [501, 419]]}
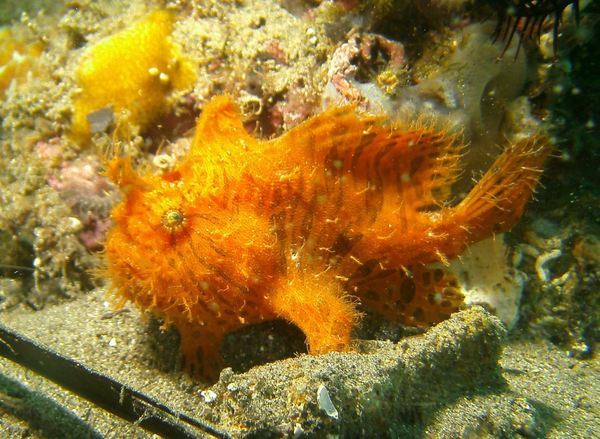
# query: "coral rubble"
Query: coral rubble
{"points": [[77, 75]]}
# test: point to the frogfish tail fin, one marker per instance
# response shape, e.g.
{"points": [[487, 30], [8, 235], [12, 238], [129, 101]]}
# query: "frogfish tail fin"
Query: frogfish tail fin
{"points": [[497, 201]]}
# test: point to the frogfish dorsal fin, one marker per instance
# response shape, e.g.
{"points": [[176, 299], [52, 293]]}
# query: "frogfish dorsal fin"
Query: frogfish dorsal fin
{"points": [[220, 129]]}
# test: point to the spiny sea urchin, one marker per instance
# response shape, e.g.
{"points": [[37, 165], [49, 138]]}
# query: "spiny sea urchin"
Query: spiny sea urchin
{"points": [[528, 17]]}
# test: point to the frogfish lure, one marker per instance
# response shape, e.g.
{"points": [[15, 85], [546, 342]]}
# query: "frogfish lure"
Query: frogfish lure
{"points": [[341, 210]]}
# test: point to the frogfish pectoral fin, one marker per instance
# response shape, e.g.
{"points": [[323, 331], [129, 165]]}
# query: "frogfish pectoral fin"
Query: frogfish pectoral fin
{"points": [[317, 306]]}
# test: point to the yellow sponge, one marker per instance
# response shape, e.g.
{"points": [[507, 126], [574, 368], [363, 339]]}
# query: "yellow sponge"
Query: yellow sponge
{"points": [[132, 72], [17, 58]]}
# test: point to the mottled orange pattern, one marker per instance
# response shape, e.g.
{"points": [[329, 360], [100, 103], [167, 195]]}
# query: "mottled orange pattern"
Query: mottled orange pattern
{"points": [[340, 210]]}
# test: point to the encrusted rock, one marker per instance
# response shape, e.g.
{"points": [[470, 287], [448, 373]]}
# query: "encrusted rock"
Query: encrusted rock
{"points": [[413, 377]]}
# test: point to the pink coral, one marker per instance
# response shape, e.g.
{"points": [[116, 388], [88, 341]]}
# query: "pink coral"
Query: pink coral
{"points": [[359, 59], [50, 149], [89, 194], [298, 106]]}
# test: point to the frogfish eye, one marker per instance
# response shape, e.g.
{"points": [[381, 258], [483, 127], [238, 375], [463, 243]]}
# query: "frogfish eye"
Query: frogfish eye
{"points": [[173, 220]]}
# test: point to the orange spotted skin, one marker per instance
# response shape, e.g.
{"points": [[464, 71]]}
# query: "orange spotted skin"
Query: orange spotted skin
{"points": [[340, 210]]}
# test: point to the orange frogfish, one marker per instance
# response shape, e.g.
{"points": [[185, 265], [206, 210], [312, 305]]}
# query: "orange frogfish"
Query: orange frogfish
{"points": [[340, 211]]}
